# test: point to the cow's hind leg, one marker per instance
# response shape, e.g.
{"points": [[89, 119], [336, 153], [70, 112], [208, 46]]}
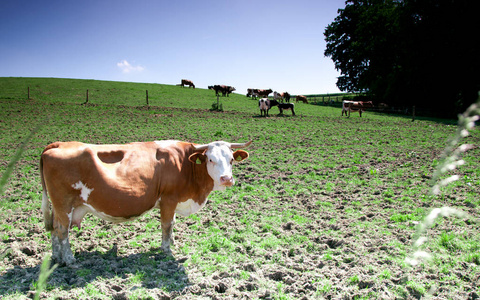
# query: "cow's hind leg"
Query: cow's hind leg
{"points": [[61, 251]]}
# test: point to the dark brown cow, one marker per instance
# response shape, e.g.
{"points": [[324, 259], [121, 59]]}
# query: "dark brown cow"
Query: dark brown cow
{"points": [[224, 89], [119, 183], [349, 106], [282, 106], [187, 82], [264, 93], [301, 98]]}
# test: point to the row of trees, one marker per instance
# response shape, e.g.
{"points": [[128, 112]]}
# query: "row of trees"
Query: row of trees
{"points": [[411, 52]]}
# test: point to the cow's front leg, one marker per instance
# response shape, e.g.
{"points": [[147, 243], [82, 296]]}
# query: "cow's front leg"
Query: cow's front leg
{"points": [[167, 215], [61, 251]]}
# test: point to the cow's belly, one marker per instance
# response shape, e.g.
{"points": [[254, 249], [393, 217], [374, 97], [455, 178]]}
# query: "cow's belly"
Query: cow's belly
{"points": [[79, 212], [188, 207]]}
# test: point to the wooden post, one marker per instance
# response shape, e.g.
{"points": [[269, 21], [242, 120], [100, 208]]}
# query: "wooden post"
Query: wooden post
{"points": [[413, 114], [147, 97], [86, 101], [218, 102], [28, 93]]}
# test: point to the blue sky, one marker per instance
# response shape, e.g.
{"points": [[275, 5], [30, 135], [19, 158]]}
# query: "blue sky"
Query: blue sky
{"points": [[245, 44]]}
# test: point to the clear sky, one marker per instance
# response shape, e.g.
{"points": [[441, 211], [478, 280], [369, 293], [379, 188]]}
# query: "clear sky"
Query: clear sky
{"points": [[275, 44]]}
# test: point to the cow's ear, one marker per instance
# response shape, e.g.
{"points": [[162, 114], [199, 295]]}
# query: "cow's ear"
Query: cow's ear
{"points": [[197, 158], [240, 155]]}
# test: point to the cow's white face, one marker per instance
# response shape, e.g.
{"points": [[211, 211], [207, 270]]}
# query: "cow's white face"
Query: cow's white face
{"points": [[219, 159]]}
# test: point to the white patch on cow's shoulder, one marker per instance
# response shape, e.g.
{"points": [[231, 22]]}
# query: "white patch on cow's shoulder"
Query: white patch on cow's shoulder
{"points": [[84, 190], [188, 207], [166, 143]]}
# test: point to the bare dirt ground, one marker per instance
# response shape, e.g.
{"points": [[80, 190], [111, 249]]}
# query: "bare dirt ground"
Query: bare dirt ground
{"points": [[349, 247], [352, 272]]}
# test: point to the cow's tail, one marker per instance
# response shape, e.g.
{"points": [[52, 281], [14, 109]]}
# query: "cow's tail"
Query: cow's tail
{"points": [[47, 212]]}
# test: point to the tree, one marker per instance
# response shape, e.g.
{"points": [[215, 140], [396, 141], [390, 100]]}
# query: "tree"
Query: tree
{"points": [[411, 52]]}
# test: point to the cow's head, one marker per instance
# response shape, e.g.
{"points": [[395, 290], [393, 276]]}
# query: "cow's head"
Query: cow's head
{"points": [[219, 158]]}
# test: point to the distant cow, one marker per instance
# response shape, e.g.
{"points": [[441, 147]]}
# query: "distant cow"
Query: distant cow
{"points": [[230, 89], [301, 98], [349, 106], [187, 82], [281, 96], [264, 105], [264, 93], [283, 106], [118, 183], [224, 89], [252, 93], [277, 96]]}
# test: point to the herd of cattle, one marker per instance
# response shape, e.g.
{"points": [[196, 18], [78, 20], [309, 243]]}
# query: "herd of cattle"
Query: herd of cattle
{"points": [[281, 100]]}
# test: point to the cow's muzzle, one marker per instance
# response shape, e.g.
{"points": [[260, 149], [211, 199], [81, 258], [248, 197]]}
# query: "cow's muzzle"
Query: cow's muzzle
{"points": [[226, 180]]}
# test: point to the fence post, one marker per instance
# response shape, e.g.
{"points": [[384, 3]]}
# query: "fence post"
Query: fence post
{"points": [[147, 97], [86, 101], [413, 115], [28, 93]]}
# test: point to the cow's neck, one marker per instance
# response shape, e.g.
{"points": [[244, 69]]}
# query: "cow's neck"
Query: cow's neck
{"points": [[198, 178], [202, 182]]}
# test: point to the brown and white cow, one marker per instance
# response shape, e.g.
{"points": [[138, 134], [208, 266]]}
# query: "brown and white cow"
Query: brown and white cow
{"points": [[349, 106], [277, 96], [119, 183], [187, 82], [285, 96], [301, 98]]}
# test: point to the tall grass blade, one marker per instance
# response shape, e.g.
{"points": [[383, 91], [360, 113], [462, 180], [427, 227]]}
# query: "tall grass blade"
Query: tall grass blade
{"points": [[16, 157], [450, 160], [45, 272]]}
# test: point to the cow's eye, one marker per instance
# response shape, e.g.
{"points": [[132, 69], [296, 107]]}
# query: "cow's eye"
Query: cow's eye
{"points": [[211, 161], [231, 161]]}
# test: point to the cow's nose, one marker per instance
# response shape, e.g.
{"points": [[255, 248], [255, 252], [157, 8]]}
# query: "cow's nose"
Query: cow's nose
{"points": [[226, 180]]}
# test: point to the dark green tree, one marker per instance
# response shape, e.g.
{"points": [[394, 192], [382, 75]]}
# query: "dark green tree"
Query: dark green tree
{"points": [[411, 52]]}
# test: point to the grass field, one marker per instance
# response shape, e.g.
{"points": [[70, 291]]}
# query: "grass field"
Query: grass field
{"points": [[325, 206]]}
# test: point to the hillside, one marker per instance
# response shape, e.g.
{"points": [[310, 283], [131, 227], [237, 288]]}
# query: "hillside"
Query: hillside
{"points": [[131, 94]]}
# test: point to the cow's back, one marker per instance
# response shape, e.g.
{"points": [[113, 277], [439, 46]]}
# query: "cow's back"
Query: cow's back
{"points": [[117, 180]]}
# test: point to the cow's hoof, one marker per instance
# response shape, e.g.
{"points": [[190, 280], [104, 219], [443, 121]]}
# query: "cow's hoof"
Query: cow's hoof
{"points": [[167, 251], [70, 262]]}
